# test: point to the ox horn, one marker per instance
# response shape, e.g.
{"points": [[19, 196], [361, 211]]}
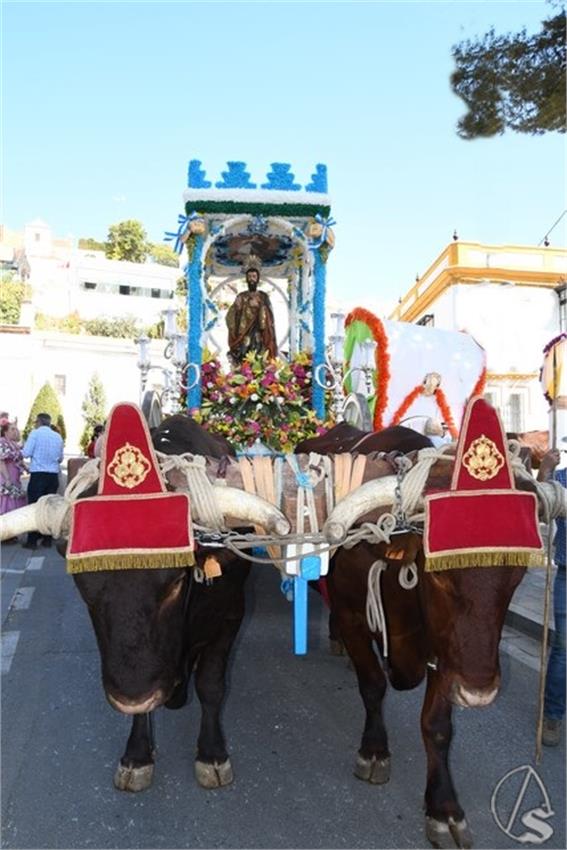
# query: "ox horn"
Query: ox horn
{"points": [[368, 497], [49, 515], [251, 509]]}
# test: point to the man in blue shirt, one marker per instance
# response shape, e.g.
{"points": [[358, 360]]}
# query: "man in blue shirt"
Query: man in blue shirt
{"points": [[44, 447], [554, 700]]}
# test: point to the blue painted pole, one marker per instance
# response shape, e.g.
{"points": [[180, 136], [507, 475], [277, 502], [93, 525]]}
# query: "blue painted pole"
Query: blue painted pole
{"points": [[318, 393], [195, 317], [310, 569]]}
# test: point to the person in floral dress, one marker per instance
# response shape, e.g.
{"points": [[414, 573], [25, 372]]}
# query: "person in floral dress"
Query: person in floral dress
{"points": [[12, 495]]}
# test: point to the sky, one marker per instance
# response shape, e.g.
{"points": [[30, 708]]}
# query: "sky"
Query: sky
{"points": [[104, 104]]}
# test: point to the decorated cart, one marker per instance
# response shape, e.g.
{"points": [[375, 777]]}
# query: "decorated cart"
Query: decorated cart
{"points": [[277, 225]]}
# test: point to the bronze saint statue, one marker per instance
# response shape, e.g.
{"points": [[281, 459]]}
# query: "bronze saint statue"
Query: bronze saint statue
{"points": [[250, 321]]}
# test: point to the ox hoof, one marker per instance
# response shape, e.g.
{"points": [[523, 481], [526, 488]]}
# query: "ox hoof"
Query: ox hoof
{"points": [[336, 647], [214, 775], [374, 770], [448, 834], [133, 778]]}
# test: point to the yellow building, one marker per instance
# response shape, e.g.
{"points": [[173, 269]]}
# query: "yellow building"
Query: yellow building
{"points": [[511, 299]]}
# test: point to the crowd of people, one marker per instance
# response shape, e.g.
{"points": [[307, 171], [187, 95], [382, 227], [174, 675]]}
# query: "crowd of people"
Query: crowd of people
{"points": [[40, 456]]}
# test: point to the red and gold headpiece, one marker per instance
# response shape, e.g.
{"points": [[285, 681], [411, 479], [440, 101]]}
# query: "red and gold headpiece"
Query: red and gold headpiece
{"points": [[482, 520], [133, 522]]}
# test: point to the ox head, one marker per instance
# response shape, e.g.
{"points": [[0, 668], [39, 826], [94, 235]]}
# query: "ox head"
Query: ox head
{"points": [[139, 614], [464, 611], [463, 608], [138, 619]]}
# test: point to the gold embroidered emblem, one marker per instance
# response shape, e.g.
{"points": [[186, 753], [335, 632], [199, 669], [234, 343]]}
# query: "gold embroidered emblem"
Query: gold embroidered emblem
{"points": [[129, 467], [483, 460]]}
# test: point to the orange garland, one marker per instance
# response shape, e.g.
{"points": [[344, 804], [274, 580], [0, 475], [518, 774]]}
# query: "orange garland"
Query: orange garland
{"points": [[442, 404], [382, 359], [406, 404], [480, 384]]}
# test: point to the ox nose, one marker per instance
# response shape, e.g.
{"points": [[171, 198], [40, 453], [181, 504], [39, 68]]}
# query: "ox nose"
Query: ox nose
{"points": [[128, 706], [473, 697]]}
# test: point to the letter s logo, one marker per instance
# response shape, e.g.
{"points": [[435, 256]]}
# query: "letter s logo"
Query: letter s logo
{"points": [[542, 831]]}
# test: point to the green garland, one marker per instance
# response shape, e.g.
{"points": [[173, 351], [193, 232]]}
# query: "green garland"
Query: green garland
{"points": [[256, 208]]}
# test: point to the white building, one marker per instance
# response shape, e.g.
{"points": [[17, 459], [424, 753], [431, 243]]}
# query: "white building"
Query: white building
{"points": [[65, 279], [512, 301]]}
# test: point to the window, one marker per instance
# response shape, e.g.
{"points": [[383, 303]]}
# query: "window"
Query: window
{"points": [[156, 293], [37, 237], [124, 290], [514, 412], [60, 382], [88, 284]]}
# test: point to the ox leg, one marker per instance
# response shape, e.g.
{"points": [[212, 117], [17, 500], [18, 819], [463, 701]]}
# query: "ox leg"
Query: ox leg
{"points": [[373, 759], [212, 766], [136, 767], [445, 823]]}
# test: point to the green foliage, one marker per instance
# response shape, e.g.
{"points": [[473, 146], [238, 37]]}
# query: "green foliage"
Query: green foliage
{"points": [[71, 324], [46, 401], [91, 245], [11, 295], [124, 328], [127, 240], [163, 255], [93, 409], [514, 81], [181, 287]]}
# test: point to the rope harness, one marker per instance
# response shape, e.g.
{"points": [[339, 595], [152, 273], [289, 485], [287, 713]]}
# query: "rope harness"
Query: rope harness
{"points": [[264, 475]]}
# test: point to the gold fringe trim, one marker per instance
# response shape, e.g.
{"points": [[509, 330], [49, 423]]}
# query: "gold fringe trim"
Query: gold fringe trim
{"points": [[130, 561], [508, 558]]}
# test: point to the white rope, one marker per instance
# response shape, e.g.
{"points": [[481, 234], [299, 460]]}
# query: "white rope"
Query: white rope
{"points": [[550, 494], [413, 483], [87, 475], [375, 614], [200, 488], [408, 576], [375, 611]]}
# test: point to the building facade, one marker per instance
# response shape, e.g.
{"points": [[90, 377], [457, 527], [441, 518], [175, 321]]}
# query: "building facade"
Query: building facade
{"points": [[511, 299], [67, 280]]}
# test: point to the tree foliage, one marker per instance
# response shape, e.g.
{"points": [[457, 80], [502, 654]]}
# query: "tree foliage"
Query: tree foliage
{"points": [[46, 401], [514, 81], [127, 240], [90, 244], [11, 296], [93, 409], [163, 255]]}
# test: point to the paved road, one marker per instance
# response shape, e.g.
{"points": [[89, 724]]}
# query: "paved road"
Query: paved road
{"points": [[293, 726]]}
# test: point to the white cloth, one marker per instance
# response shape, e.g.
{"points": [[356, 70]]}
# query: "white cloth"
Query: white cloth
{"points": [[414, 352]]}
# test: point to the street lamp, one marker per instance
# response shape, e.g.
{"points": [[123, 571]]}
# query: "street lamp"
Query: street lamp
{"points": [[329, 374], [175, 351]]}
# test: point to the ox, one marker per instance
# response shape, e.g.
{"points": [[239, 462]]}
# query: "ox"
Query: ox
{"points": [[154, 627], [447, 628]]}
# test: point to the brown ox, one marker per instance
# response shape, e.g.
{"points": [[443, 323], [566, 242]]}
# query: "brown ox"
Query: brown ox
{"points": [[447, 628]]}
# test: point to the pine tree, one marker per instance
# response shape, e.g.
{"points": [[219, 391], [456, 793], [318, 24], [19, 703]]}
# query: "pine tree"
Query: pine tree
{"points": [[46, 401], [93, 408]]}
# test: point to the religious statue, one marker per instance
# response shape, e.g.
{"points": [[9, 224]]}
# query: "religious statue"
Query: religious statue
{"points": [[250, 320]]}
